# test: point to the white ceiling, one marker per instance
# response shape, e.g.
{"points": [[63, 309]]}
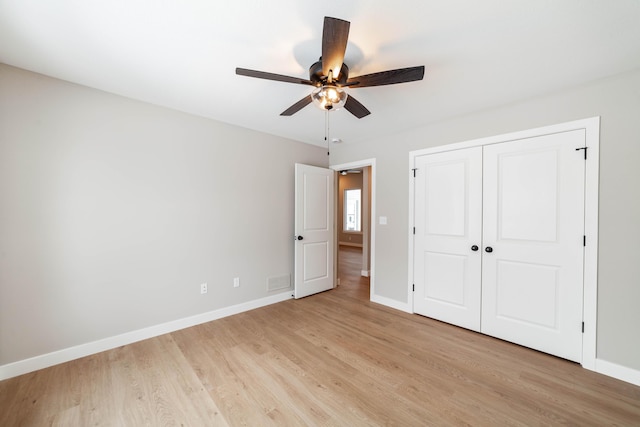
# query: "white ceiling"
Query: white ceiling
{"points": [[182, 54]]}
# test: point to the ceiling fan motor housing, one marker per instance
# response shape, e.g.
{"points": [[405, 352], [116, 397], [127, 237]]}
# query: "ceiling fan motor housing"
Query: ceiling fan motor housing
{"points": [[315, 75]]}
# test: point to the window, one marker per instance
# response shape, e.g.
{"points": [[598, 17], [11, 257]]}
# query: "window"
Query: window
{"points": [[352, 210]]}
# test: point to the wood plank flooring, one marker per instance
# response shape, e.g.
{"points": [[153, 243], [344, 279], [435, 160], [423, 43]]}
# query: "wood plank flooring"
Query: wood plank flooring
{"points": [[332, 359]]}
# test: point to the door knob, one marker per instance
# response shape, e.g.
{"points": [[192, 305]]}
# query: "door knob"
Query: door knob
{"points": [[298, 237], [488, 249], [474, 248]]}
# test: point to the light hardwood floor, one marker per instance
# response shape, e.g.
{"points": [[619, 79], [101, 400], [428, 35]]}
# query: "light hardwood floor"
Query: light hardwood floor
{"points": [[329, 359]]}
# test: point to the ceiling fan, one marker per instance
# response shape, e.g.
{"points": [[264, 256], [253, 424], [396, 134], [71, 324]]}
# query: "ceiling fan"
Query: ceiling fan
{"points": [[330, 75]]}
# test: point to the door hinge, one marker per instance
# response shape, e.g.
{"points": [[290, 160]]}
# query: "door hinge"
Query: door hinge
{"points": [[584, 240], [583, 327], [585, 151], [414, 230], [414, 171], [414, 287]]}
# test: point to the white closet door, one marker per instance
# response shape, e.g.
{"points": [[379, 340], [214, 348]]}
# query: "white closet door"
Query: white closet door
{"points": [[448, 212], [533, 208]]}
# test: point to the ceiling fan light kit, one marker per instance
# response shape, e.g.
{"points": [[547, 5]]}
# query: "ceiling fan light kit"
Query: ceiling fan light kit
{"points": [[329, 94], [329, 97]]}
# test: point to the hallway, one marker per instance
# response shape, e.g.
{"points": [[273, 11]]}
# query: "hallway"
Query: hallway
{"points": [[349, 269]]}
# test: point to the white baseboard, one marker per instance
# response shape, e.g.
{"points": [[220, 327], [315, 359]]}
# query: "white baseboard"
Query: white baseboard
{"points": [[391, 303], [617, 371], [65, 355]]}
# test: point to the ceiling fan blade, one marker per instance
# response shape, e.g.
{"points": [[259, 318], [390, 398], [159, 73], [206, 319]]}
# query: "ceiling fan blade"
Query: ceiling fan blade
{"points": [[297, 106], [356, 108], [335, 35], [391, 77], [271, 76]]}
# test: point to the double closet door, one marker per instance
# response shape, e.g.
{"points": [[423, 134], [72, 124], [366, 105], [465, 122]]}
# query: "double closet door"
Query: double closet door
{"points": [[499, 240]]}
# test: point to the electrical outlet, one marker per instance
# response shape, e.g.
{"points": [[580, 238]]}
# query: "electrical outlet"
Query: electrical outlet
{"points": [[203, 288], [236, 282]]}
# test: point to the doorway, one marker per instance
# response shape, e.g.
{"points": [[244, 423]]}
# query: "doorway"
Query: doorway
{"points": [[355, 228]]}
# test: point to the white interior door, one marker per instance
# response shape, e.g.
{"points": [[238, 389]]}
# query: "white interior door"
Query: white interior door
{"points": [[532, 278], [448, 213], [314, 231]]}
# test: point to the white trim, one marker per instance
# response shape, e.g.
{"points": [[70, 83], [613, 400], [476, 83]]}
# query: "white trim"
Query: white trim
{"points": [[591, 204], [364, 273], [529, 133], [65, 355], [590, 297], [391, 303], [617, 371], [372, 224], [411, 224]]}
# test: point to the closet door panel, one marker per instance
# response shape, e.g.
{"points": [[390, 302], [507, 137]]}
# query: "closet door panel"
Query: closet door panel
{"points": [[533, 210], [448, 213]]}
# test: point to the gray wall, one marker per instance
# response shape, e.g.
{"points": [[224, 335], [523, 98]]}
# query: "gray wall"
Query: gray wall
{"points": [[112, 212], [617, 101]]}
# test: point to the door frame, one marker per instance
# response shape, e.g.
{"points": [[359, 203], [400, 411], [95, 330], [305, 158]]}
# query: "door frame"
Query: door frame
{"points": [[590, 284], [372, 224]]}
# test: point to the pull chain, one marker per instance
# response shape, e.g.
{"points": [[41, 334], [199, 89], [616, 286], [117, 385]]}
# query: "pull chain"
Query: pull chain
{"points": [[326, 130]]}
